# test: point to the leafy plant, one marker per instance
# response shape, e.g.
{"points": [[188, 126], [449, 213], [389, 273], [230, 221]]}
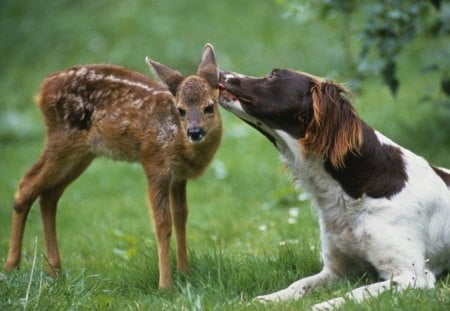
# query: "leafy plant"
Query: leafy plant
{"points": [[385, 29]]}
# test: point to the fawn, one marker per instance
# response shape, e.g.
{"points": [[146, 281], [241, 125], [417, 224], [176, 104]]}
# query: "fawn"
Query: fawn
{"points": [[105, 110]]}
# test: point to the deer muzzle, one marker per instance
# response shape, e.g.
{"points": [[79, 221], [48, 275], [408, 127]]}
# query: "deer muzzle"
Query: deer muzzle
{"points": [[195, 134]]}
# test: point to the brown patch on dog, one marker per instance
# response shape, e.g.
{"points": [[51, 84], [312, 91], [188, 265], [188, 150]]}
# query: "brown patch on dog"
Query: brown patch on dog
{"points": [[335, 129], [442, 174]]}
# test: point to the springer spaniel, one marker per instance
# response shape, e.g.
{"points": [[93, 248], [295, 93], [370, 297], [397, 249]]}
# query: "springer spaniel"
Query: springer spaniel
{"points": [[380, 205]]}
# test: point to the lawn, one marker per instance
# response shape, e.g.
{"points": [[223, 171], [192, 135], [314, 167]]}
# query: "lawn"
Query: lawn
{"points": [[249, 231]]}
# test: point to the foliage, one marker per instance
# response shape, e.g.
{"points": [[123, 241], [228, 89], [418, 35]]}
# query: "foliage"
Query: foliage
{"points": [[385, 29]]}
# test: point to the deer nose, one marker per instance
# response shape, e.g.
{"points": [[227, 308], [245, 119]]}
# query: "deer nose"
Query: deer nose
{"points": [[195, 134]]}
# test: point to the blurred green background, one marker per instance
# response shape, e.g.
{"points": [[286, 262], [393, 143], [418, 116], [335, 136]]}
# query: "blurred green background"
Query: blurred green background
{"points": [[249, 36], [244, 203]]}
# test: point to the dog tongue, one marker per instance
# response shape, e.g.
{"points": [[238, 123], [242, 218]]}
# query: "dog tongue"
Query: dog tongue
{"points": [[222, 86]]}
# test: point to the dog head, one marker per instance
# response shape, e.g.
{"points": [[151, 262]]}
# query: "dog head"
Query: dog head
{"points": [[313, 111]]}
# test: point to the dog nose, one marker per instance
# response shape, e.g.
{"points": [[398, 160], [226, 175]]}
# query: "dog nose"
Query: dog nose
{"points": [[195, 134], [222, 79], [228, 78]]}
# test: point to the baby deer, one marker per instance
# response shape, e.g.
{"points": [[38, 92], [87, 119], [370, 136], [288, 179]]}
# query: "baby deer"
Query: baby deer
{"points": [[105, 110]]}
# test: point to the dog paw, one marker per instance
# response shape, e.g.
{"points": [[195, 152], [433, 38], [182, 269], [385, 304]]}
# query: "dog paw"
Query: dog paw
{"points": [[265, 298], [328, 305], [281, 295]]}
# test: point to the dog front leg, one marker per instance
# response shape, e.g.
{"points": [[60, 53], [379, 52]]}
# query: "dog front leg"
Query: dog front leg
{"points": [[358, 294], [425, 279], [297, 289]]}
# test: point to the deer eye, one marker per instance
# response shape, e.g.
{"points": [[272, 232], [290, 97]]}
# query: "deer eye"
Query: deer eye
{"points": [[209, 109], [181, 112]]}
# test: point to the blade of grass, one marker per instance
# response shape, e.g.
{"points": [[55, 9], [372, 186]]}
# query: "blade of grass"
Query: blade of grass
{"points": [[27, 295]]}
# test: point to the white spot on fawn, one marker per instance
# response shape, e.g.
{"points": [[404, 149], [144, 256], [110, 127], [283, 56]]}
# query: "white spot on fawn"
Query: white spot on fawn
{"points": [[91, 75], [112, 78], [167, 130], [81, 72]]}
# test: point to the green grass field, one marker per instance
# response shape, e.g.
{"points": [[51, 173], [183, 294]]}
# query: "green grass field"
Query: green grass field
{"points": [[249, 231]]}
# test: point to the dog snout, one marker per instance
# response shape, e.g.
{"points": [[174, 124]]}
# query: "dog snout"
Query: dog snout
{"points": [[227, 78], [195, 134], [233, 81], [223, 74]]}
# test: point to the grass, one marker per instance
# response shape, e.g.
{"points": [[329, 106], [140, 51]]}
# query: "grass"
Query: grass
{"points": [[244, 234]]}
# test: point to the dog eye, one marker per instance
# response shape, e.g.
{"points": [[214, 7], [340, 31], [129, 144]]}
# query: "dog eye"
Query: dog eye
{"points": [[209, 109], [181, 112], [273, 75]]}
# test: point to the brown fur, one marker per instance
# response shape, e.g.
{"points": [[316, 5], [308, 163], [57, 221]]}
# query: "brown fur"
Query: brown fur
{"points": [[104, 110], [335, 129]]}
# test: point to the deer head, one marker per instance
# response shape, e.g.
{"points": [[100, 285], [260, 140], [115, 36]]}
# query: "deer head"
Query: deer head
{"points": [[196, 96]]}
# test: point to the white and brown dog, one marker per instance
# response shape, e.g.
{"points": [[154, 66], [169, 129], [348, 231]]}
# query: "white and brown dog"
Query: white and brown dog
{"points": [[380, 205]]}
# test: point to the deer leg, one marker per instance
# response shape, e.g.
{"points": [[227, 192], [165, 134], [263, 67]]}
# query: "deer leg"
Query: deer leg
{"points": [[47, 178], [179, 216], [48, 203], [25, 196], [17, 230], [159, 200]]}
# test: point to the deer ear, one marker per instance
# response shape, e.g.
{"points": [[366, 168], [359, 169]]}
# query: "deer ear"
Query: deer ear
{"points": [[167, 75], [208, 68]]}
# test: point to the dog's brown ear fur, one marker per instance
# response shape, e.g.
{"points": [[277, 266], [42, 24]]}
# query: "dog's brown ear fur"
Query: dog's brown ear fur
{"points": [[335, 129]]}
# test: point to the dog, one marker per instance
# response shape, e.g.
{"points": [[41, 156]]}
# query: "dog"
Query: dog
{"points": [[380, 205]]}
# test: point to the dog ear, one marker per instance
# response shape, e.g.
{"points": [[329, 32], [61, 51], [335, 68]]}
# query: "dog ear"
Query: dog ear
{"points": [[335, 129]]}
